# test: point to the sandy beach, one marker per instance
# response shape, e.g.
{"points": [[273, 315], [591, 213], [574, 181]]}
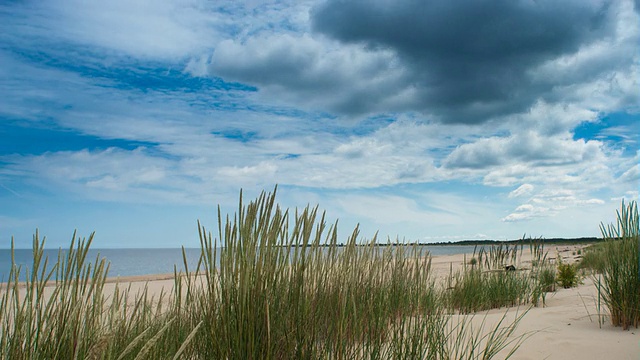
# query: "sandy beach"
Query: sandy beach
{"points": [[566, 328]]}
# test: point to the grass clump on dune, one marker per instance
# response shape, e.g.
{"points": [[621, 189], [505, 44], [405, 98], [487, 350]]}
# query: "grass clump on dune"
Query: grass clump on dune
{"points": [[567, 275], [475, 290], [282, 289], [593, 259], [490, 282], [620, 257]]}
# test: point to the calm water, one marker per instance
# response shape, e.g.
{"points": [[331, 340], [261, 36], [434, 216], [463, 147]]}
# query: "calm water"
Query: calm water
{"points": [[125, 262]]}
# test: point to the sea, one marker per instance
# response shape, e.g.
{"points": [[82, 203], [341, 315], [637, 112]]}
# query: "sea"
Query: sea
{"points": [[130, 262]]}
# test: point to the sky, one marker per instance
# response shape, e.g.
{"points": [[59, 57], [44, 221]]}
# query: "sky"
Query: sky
{"points": [[422, 121]]}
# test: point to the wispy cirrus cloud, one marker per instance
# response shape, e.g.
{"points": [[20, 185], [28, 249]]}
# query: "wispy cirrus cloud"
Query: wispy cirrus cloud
{"points": [[165, 30]]}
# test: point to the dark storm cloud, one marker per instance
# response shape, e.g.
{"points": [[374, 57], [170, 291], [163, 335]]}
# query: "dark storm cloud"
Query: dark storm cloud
{"points": [[469, 60], [301, 70]]}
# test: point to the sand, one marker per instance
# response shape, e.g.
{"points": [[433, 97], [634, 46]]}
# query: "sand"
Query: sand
{"points": [[567, 327]]}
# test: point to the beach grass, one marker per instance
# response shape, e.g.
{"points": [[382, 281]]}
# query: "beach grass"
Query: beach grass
{"points": [[283, 288], [593, 259], [287, 290], [567, 275], [498, 278], [619, 284]]}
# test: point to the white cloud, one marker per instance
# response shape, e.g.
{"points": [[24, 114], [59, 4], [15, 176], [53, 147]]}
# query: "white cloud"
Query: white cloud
{"points": [[112, 174], [552, 119], [550, 202], [527, 147], [592, 202], [628, 196], [631, 176], [262, 173], [526, 212], [522, 190]]}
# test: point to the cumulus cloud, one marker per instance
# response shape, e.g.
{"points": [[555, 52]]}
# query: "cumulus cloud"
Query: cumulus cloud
{"points": [[602, 61], [526, 212], [548, 119], [550, 202], [526, 147]]}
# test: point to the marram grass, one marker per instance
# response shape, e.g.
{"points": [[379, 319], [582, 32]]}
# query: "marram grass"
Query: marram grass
{"points": [[73, 318], [485, 284], [283, 289], [619, 288]]}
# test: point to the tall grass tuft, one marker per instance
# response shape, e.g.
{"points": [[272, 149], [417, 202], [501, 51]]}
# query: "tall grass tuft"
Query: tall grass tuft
{"points": [[620, 286], [542, 271], [64, 312], [58, 322]]}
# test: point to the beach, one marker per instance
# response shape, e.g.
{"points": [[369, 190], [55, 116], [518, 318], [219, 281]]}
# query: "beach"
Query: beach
{"points": [[566, 328]]}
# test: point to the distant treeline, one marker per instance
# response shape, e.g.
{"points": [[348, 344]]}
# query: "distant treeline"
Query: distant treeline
{"points": [[555, 241], [551, 241]]}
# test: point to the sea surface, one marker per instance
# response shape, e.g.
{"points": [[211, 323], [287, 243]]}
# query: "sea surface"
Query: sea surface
{"points": [[128, 262]]}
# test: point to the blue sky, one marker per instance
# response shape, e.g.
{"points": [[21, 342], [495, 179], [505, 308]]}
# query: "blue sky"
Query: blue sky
{"points": [[435, 122]]}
